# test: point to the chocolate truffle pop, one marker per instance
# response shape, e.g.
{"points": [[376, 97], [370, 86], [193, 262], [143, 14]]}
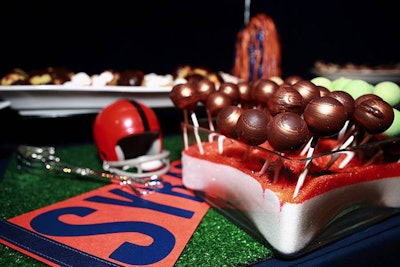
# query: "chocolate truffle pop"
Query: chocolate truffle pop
{"points": [[323, 91], [251, 128], [374, 115], [232, 91], [206, 87], [186, 97], [245, 89], [325, 116], [287, 132], [349, 103], [262, 91], [292, 79], [343, 136], [286, 99], [308, 90], [351, 132], [215, 103], [226, 122]]}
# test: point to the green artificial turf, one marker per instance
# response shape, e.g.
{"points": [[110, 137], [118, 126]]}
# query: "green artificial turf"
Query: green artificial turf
{"points": [[216, 242]]}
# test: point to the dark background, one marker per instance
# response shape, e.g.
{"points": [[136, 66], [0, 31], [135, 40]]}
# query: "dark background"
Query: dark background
{"points": [[157, 36]]}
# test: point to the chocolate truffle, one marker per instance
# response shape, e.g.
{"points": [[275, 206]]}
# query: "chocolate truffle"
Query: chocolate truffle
{"points": [[252, 127], [307, 89], [217, 101], [131, 77], [374, 115], [286, 99], [325, 116], [263, 90], [231, 90], [204, 88], [287, 132], [184, 96], [227, 119], [346, 99]]}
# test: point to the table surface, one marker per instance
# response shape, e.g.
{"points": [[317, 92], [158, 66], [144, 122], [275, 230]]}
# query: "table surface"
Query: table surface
{"points": [[376, 245]]}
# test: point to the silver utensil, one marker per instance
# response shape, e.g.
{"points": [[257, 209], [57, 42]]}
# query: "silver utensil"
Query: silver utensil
{"points": [[45, 158]]}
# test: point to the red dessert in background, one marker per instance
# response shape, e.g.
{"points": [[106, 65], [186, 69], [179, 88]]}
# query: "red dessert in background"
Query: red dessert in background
{"points": [[258, 50]]}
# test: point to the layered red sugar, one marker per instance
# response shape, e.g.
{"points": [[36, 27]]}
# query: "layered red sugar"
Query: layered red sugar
{"points": [[329, 204], [250, 161]]}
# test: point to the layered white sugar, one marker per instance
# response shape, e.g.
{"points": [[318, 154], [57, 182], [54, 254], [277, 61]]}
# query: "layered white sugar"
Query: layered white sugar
{"points": [[288, 227]]}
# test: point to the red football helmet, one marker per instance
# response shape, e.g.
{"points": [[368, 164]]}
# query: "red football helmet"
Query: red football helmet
{"points": [[129, 140]]}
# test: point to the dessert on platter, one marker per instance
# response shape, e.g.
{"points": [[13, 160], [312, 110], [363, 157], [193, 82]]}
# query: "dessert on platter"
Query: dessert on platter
{"points": [[109, 77], [367, 72], [56, 92], [65, 77], [297, 165]]}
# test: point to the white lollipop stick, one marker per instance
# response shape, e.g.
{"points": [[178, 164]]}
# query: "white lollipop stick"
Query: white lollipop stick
{"points": [[349, 154], [196, 132], [306, 147], [302, 177], [266, 164], [210, 121], [277, 170], [211, 126], [185, 134], [342, 132], [221, 139]]}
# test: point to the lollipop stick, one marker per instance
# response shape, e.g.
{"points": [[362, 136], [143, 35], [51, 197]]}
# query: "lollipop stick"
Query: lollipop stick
{"points": [[342, 132], [366, 138], [302, 177], [266, 164], [221, 144], [277, 170], [210, 126], [210, 121], [344, 137], [196, 132], [185, 133], [306, 147], [349, 156], [335, 156]]}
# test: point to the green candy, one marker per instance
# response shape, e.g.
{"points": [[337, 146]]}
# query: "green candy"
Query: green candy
{"points": [[357, 88], [339, 83], [388, 91], [323, 81], [394, 129]]}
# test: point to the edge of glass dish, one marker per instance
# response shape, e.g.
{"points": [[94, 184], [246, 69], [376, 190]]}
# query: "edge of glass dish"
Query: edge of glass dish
{"points": [[347, 222]]}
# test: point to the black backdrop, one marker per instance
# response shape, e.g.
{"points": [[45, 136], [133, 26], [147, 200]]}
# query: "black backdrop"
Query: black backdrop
{"points": [[157, 36]]}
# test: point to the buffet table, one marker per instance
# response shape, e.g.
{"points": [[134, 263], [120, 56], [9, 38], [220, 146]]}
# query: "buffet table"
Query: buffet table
{"points": [[217, 241]]}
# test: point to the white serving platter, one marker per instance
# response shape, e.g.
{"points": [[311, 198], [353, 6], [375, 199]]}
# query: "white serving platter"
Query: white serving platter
{"points": [[60, 100], [371, 76]]}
